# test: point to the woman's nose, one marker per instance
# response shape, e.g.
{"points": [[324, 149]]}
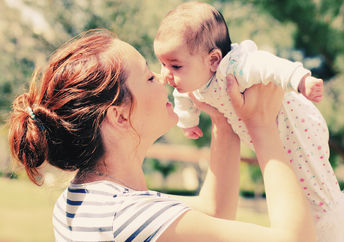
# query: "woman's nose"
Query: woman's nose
{"points": [[160, 78], [163, 71]]}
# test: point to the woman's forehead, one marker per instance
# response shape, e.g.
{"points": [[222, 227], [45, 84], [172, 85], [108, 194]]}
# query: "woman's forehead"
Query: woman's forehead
{"points": [[132, 58]]}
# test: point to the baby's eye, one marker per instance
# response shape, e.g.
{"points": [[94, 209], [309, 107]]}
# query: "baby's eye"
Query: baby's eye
{"points": [[176, 67]]}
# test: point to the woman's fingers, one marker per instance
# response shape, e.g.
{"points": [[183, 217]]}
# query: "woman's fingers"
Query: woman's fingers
{"points": [[259, 103], [203, 106], [233, 91], [243, 103], [213, 113]]}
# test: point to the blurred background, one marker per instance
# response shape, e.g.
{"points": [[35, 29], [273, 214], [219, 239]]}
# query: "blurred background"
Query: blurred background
{"points": [[309, 31]]}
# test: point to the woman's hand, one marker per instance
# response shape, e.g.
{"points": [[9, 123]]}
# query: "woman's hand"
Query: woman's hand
{"points": [[258, 105]]}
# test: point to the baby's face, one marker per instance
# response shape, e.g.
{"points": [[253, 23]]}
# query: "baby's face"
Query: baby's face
{"points": [[182, 70]]}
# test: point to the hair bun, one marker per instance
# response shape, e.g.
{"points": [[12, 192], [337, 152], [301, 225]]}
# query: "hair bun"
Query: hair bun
{"points": [[27, 137]]}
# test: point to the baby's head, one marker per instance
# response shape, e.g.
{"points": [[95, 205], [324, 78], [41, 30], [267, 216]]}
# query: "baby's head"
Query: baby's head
{"points": [[190, 43]]}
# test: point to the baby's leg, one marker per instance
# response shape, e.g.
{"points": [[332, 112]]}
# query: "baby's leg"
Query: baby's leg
{"points": [[304, 134]]}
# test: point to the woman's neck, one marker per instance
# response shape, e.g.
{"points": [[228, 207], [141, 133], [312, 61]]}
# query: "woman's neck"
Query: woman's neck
{"points": [[121, 170], [123, 158], [124, 164]]}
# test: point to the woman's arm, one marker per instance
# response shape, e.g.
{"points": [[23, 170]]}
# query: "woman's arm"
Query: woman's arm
{"points": [[286, 203], [289, 215], [220, 191]]}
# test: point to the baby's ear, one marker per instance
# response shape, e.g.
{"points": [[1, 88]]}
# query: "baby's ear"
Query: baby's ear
{"points": [[214, 57]]}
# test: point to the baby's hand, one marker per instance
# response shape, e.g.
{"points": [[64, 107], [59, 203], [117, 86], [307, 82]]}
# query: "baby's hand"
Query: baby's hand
{"points": [[193, 132], [311, 88]]}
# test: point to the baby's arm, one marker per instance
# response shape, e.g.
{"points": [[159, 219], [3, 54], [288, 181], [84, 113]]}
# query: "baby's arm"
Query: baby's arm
{"points": [[264, 67], [252, 66], [188, 114]]}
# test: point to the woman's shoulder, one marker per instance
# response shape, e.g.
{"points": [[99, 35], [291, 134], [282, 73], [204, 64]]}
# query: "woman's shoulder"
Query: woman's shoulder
{"points": [[145, 215], [126, 212], [109, 193]]}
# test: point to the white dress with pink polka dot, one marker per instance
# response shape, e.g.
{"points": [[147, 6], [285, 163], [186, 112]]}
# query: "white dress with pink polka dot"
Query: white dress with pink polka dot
{"points": [[302, 128]]}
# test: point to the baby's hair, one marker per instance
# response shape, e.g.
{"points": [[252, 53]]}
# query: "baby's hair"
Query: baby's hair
{"points": [[202, 26], [59, 121]]}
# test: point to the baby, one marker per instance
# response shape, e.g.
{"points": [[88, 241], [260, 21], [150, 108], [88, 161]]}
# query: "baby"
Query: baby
{"points": [[196, 53]]}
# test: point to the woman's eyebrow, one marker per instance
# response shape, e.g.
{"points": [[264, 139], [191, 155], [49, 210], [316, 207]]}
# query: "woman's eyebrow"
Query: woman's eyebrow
{"points": [[147, 67]]}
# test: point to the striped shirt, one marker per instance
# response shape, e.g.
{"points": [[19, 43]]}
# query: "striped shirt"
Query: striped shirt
{"points": [[107, 211]]}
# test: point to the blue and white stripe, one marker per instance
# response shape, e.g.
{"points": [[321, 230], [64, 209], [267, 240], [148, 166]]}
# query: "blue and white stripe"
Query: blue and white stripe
{"points": [[106, 211]]}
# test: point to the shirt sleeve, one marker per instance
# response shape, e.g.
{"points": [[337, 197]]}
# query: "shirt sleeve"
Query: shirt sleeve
{"points": [[186, 110], [252, 66], [146, 216]]}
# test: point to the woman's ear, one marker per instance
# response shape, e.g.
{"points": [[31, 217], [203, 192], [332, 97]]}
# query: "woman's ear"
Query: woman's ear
{"points": [[214, 58], [118, 117]]}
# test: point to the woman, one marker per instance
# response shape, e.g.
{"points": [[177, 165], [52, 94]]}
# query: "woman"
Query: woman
{"points": [[99, 108]]}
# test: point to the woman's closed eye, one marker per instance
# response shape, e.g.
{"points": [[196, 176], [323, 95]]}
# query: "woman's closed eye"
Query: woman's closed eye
{"points": [[152, 78], [176, 67]]}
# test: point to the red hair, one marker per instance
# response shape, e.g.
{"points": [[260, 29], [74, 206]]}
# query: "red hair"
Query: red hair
{"points": [[84, 77]]}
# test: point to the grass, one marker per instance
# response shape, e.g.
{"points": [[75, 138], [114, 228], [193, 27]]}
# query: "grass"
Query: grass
{"points": [[26, 211]]}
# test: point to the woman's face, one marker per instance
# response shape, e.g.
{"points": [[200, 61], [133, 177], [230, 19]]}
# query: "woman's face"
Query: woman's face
{"points": [[152, 113]]}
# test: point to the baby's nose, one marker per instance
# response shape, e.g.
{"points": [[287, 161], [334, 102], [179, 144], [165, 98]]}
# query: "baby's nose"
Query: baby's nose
{"points": [[164, 71]]}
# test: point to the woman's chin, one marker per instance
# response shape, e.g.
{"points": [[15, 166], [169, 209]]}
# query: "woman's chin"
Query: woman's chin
{"points": [[171, 112], [172, 122], [174, 119]]}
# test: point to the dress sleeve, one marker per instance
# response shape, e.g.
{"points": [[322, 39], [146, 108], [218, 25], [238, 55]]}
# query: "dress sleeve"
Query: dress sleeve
{"points": [[186, 110], [252, 66], [145, 216]]}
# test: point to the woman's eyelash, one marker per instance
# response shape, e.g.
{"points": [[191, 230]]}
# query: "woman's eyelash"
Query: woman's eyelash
{"points": [[176, 67], [151, 78]]}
